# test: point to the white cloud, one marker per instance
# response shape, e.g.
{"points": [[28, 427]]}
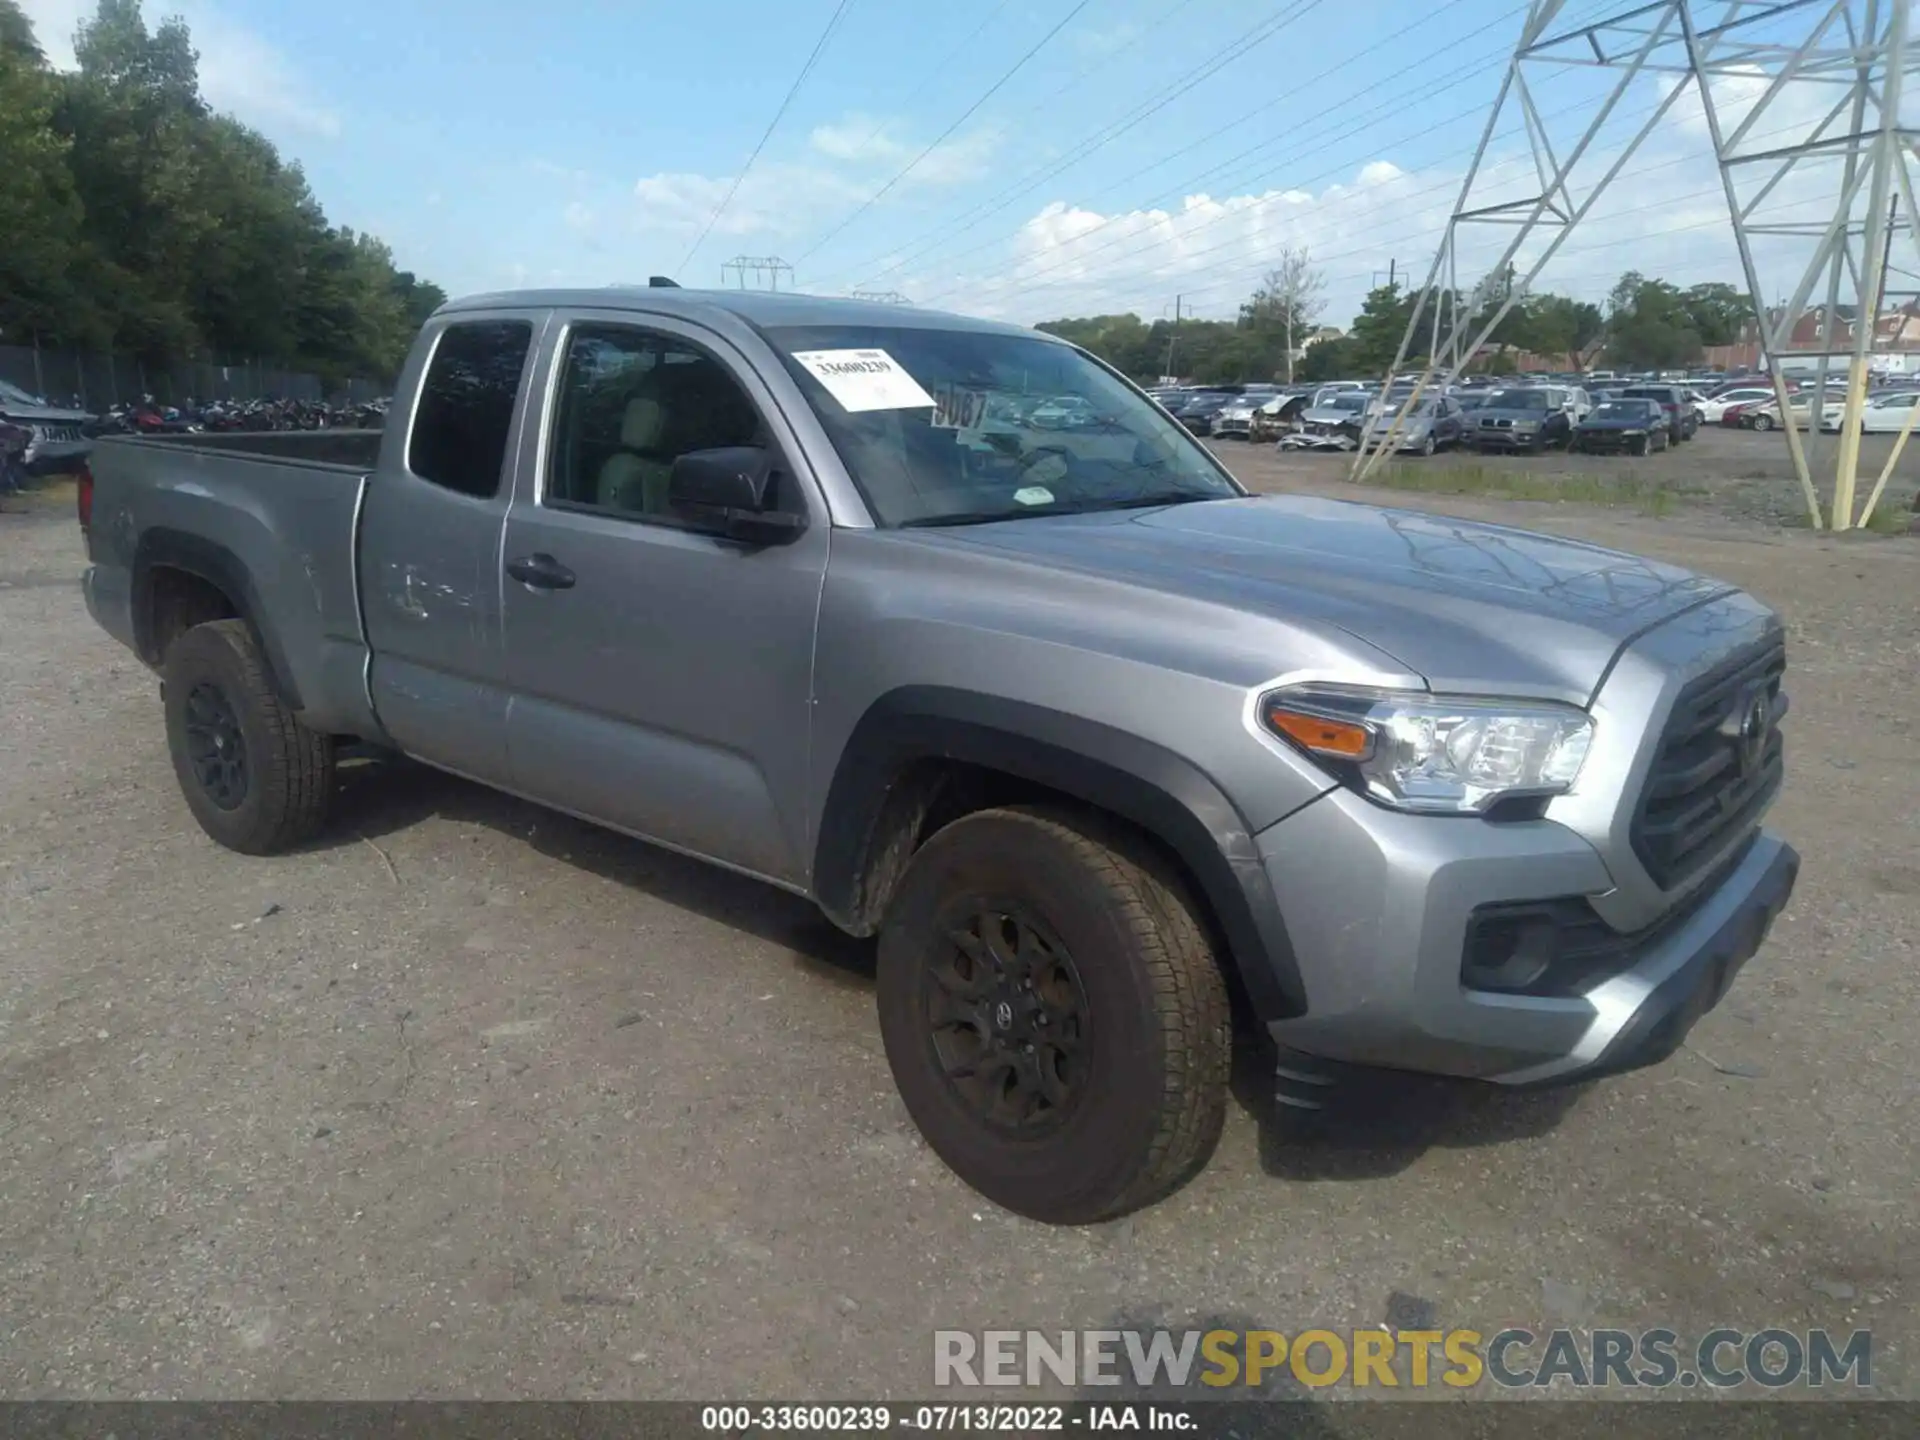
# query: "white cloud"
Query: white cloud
{"points": [[241, 72], [1665, 215], [862, 140]]}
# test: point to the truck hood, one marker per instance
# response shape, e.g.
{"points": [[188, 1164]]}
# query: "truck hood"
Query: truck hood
{"points": [[43, 415], [1469, 607]]}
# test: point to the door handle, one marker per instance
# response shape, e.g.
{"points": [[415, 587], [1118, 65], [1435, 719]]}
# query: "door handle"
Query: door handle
{"points": [[541, 572]]}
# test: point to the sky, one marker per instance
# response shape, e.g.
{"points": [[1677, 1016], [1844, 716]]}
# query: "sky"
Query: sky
{"points": [[1025, 159]]}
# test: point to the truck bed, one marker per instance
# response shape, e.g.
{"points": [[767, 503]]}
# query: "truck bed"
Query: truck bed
{"points": [[270, 518], [354, 449]]}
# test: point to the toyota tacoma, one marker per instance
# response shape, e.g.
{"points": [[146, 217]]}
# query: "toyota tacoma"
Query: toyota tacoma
{"points": [[1101, 747]]}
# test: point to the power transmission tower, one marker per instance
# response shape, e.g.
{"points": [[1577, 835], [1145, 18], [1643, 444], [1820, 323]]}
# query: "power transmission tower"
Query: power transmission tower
{"points": [[1803, 93], [879, 297], [767, 268]]}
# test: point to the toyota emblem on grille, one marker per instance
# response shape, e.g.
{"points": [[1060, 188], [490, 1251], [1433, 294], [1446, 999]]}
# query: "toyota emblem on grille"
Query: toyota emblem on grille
{"points": [[1747, 726]]}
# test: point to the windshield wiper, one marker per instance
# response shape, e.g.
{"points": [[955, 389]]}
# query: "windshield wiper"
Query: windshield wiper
{"points": [[1144, 502], [968, 517]]}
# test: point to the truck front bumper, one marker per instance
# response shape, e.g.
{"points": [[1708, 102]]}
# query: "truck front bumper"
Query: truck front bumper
{"points": [[1387, 914]]}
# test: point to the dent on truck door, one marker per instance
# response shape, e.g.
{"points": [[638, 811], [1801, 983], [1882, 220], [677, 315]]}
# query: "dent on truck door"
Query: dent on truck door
{"points": [[430, 553], [660, 674]]}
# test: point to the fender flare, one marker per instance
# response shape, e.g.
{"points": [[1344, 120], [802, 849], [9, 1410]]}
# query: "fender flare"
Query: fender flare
{"points": [[1144, 783], [161, 547]]}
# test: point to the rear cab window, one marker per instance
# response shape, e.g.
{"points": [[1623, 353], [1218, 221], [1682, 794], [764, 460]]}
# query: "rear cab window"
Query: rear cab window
{"points": [[465, 411]]}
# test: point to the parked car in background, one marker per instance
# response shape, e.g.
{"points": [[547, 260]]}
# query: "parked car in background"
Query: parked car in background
{"points": [[1062, 412], [1199, 412], [1885, 413], [1333, 419], [1279, 415], [1682, 419], [1234, 420], [1765, 415], [1630, 426], [55, 439], [1527, 419], [1433, 424], [1713, 408]]}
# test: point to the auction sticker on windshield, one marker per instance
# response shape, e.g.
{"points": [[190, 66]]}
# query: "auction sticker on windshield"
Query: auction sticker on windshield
{"points": [[864, 379], [957, 409]]}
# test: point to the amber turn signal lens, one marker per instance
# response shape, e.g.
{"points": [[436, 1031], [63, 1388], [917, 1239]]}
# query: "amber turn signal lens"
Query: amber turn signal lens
{"points": [[1339, 738]]}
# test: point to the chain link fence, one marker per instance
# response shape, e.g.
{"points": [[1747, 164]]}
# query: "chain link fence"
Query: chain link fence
{"points": [[99, 382]]}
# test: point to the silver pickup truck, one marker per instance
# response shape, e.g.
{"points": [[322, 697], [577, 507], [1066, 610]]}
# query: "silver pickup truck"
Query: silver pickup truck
{"points": [[1100, 746]]}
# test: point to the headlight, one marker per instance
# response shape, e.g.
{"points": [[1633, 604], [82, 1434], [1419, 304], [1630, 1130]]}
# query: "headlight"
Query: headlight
{"points": [[1434, 753], [1526, 424]]}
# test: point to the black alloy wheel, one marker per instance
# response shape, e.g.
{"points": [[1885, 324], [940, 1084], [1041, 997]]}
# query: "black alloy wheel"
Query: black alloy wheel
{"points": [[1009, 1018], [216, 748]]}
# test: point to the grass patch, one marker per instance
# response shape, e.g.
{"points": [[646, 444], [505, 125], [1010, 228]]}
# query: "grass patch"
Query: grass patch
{"points": [[1889, 518], [1513, 483]]}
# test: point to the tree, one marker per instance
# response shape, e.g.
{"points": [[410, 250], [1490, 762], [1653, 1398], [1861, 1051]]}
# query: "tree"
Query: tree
{"points": [[1328, 360], [1648, 324], [1718, 311], [1379, 327], [1556, 325], [40, 216], [133, 217], [1289, 299]]}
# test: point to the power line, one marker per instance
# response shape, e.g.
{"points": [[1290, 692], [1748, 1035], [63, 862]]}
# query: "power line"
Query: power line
{"points": [[967, 114], [1065, 261], [931, 241], [1399, 102], [1239, 46], [819, 46]]}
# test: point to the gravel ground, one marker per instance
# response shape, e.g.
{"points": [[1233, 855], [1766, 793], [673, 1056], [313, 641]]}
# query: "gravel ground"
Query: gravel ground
{"points": [[472, 1100]]}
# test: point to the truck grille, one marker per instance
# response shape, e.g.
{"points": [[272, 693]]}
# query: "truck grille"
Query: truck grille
{"points": [[1719, 764], [57, 433]]}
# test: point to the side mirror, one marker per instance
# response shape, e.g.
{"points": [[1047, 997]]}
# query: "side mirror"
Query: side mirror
{"points": [[733, 489]]}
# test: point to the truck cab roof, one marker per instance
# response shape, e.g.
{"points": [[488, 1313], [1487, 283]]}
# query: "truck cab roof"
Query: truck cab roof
{"points": [[756, 307]]}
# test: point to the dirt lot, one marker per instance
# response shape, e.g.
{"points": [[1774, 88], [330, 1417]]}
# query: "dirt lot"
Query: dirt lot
{"points": [[1734, 474], [471, 1100]]}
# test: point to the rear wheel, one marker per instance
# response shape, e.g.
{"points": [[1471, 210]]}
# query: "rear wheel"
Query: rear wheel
{"points": [[1763, 422], [256, 779], [1053, 1015]]}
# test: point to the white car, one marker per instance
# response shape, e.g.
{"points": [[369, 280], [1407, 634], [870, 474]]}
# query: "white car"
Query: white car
{"points": [[1714, 410], [1884, 415]]}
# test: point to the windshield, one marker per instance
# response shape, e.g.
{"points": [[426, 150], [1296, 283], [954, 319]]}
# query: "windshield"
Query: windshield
{"points": [[1353, 401], [14, 395], [1623, 410], [1519, 400], [940, 426]]}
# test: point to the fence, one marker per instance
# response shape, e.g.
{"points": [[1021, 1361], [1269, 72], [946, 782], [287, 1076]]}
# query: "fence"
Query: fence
{"points": [[98, 382]]}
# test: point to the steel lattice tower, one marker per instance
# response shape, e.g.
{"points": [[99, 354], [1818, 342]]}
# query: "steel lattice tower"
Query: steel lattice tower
{"points": [[1800, 94]]}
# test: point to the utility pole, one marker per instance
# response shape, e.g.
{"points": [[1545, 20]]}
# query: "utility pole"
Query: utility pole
{"points": [[1851, 57], [1173, 339], [769, 267]]}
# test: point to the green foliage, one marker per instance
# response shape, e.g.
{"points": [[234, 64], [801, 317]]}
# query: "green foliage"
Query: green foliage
{"points": [[137, 219], [1719, 312], [1649, 325]]}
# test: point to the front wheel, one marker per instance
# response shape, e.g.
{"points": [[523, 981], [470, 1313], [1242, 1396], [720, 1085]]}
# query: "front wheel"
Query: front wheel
{"points": [[256, 779], [1053, 1015], [1427, 446]]}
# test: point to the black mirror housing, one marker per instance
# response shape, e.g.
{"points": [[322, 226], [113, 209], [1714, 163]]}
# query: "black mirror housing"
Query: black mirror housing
{"points": [[734, 488]]}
